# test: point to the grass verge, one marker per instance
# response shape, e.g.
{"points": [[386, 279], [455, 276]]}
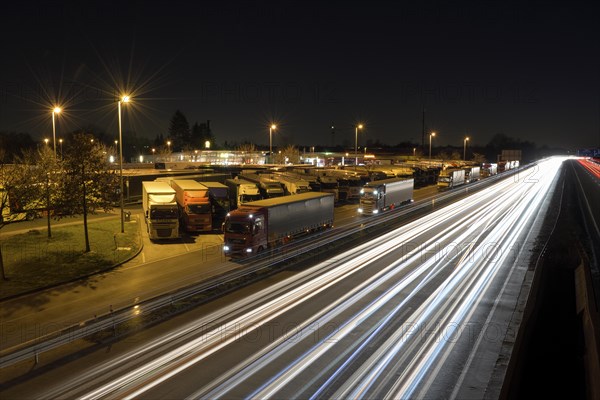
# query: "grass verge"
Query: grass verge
{"points": [[33, 261]]}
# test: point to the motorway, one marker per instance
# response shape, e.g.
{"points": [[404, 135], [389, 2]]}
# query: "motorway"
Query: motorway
{"points": [[421, 311]]}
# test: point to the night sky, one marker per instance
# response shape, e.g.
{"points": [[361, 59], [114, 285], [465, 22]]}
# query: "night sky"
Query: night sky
{"points": [[529, 69]]}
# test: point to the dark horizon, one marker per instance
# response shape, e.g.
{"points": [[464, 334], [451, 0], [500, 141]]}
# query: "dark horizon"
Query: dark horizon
{"points": [[529, 71]]}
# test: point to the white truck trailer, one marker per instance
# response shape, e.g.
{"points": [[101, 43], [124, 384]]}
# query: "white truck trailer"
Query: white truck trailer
{"points": [[160, 210], [386, 194], [451, 178]]}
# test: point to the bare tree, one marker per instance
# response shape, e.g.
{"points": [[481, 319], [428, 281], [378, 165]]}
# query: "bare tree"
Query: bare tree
{"points": [[248, 151], [290, 154], [478, 158]]}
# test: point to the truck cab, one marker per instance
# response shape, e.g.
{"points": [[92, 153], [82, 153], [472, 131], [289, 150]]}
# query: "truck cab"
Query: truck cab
{"points": [[371, 200], [245, 232]]}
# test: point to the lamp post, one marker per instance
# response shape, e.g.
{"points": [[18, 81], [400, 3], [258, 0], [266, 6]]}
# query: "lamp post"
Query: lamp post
{"points": [[124, 99], [61, 152], [356, 128], [46, 140], [414, 152], [271, 129], [465, 149], [430, 136], [55, 111], [169, 147]]}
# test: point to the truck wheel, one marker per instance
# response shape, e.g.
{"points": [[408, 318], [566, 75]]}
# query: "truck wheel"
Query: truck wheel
{"points": [[259, 250], [30, 216]]}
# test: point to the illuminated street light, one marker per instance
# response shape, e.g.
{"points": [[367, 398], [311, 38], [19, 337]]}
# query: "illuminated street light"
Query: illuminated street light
{"points": [[414, 152], [55, 110], [46, 140], [359, 126], [271, 129], [61, 151], [430, 136], [169, 146], [207, 144], [465, 149], [124, 99]]}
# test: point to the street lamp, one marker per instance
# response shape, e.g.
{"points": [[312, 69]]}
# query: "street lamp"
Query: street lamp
{"points": [[271, 129], [465, 149], [169, 146], [124, 99], [46, 140], [359, 126], [414, 152], [61, 152], [55, 111], [430, 136]]}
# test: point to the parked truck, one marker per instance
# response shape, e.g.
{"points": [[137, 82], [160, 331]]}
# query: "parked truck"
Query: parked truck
{"points": [[489, 170], [386, 194], [241, 191], [13, 211], [259, 225], [472, 174], [268, 187], [219, 197], [195, 210], [451, 178], [291, 184], [160, 210]]}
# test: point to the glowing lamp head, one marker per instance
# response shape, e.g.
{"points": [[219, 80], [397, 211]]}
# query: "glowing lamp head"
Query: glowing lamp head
{"points": [[56, 110], [432, 133], [273, 126], [126, 99], [360, 126]]}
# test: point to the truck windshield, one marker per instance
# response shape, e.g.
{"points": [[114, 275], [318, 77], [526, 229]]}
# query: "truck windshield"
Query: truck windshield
{"points": [[163, 213], [368, 194], [237, 227], [245, 198], [329, 185], [199, 208]]}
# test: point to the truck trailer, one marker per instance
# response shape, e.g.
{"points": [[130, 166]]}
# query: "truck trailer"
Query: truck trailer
{"points": [[241, 191], [12, 211], [386, 194], [451, 178], [160, 210], [259, 225], [219, 197], [195, 210]]}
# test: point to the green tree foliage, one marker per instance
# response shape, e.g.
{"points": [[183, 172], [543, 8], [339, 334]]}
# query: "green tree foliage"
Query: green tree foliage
{"points": [[89, 182], [179, 131], [44, 173]]}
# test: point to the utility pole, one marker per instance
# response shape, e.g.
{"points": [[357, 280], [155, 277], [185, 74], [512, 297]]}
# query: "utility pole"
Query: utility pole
{"points": [[423, 131], [332, 135]]}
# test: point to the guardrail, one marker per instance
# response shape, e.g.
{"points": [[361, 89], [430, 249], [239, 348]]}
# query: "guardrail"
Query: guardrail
{"points": [[33, 348]]}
